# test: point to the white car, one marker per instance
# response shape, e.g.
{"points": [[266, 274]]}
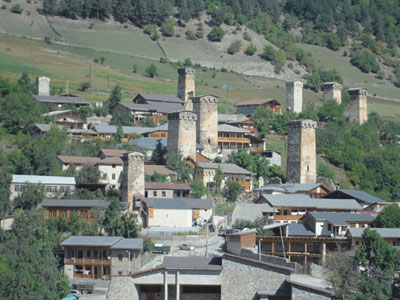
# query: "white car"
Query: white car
{"points": [[187, 247]]}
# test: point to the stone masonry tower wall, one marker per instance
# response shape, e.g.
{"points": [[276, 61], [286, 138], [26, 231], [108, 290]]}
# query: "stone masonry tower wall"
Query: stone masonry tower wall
{"points": [[133, 177], [206, 108], [332, 90], [358, 110], [182, 134], [43, 86], [294, 96], [186, 86], [302, 157]]}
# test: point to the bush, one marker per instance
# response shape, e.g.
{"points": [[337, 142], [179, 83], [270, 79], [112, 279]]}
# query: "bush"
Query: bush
{"points": [[84, 86], [269, 53], [188, 63], [324, 171], [251, 49], [151, 71], [199, 34], [148, 245], [234, 47], [224, 70], [4, 6], [150, 29], [247, 36], [216, 34], [163, 60], [16, 9], [155, 36], [47, 40], [167, 28], [365, 61], [232, 191], [134, 68], [190, 35]]}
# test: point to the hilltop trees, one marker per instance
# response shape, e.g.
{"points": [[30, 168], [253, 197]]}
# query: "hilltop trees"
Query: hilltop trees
{"points": [[115, 97]]}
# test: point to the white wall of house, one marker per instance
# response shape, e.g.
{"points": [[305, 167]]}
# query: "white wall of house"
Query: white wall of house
{"points": [[205, 214], [51, 191], [124, 262], [111, 175], [159, 193], [171, 217]]}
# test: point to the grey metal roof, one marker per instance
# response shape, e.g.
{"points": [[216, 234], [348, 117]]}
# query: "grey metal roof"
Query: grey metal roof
{"points": [[147, 143], [193, 263], [135, 106], [128, 244], [311, 282], [61, 99], [74, 203], [289, 187], [230, 128], [198, 203], [165, 107], [94, 241], [383, 232], [243, 232], [56, 112], [226, 168], [361, 196], [251, 211], [342, 218], [224, 118], [36, 179], [160, 97], [47, 127], [298, 230], [163, 127], [301, 200], [166, 203], [125, 129]]}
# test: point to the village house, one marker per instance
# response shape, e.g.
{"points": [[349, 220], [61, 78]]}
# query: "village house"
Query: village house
{"points": [[240, 121], [85, 209], [274, 158], [292, 207], [98, 257], [105, 153], [61, 100], [249, 107], [390, 235], [314, 190], [166, 190], [54, 186], [178, 212], [68, 119], [160, 132], [205, 173], [367, 201], [150, 170], [252, 212], [105, 132], [73, 134]]}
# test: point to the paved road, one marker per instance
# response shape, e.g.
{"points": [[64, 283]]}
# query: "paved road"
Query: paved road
{"points": [[213, 249]]}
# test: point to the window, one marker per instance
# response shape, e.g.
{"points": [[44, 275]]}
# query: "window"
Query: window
{"points": [[146, 194], [104, 175], [330, 227], [120, 257], [62, 188], [113, 176], [150, 288], [95, 254], [67, 188], [80, 253], [48, 189], [113, 166], [89, 253], [163, 194], [119, 273], [154, 193]]}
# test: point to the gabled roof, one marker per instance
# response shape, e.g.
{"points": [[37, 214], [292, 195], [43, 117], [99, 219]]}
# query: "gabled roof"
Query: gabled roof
{"points": [[198, 203], [300, 200], [193, 263], [251, 211], [113, 242], [62, 99], [160, 169], [56, 112], [110, 161], [163, 127], [47, 127], [226, 168], [113, 152], [311, 283], [298, 230], [159, 98], [342, 218], [383, 232], [166, 203], [147, 143], [74, 203], [358, 195], [230, 128], [36, 179], [166, 186], [290, 188], [111, 129], [258, 102], [224, 118], [78, 160]]}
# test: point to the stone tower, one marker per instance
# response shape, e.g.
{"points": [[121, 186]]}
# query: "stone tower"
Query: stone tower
{"points": [[357, 109], [332, 90], [302, 156], [207, 124], [186, 86], [43, 86], [294, 96], [133, 177], [182, 134]]}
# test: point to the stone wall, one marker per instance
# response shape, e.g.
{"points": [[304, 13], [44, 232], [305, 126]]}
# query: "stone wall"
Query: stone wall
{"points": [[207, 124], [186, 86], [43, 86], [122, 288], [242, 279], [125, 266], [294, 96], [357, 110], [268, 259], [133, 176], [303, 293], [332, 90], [182, 134], [302, 156]]}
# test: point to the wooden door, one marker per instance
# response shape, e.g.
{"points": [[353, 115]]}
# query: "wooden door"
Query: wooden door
{"points": [[150, 296]]}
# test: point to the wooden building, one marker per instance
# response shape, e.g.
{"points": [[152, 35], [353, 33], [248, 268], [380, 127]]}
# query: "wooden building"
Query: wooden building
{"points": [[68, 118], [390, 235], [314, 190], [249, 107]]}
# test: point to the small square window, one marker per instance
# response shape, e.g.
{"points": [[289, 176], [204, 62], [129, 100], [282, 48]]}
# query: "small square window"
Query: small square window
{"points": [[120, 257], [155, 193]]}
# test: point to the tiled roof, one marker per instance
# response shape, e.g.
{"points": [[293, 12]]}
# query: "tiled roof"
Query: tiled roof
{"points": [[360, 195], [160, 169], [110, 161], [257, 102], [251, 211], [226, 168], [342, 218], [78, 160], [383, 232], [166, 186], [230, 128], [74, 203], [36, 179], [61, 99], [193, 263], [113, 152]]}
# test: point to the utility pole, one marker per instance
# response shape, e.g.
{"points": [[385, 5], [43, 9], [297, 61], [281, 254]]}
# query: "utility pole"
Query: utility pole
{"points": [[67, 87], [90, 75], [207, 240]]}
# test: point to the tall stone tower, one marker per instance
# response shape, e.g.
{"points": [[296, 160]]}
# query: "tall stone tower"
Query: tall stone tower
{"points": [[186, 86], [43, 86], [357, 110], [294, 96], [302, 156], [332, 90], [133, 177], [181, 134], [207, 124]]}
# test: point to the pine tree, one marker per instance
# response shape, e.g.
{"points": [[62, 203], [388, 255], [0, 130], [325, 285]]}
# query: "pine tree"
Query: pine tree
{"points": [[115, 97]]}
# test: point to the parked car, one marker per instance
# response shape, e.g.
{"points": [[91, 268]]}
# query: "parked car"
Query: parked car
{"points": [[75, 293], [162, 249], [224, 231], [187, 247], [83, 288]]}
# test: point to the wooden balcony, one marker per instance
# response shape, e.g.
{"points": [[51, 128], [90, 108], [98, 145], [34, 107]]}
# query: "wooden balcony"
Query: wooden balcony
{"points": [[224, 139], [87, 261], [287, 217]]}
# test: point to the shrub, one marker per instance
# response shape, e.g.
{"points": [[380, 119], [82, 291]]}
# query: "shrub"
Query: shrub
{"points": [[3, 6], [47, 40], [16, 9], [235, 47], [167, 28], [188, 63], [134, 68], [199, 34], [251, 49], [83, 86], [247, 36], [224, 70], [365, 61], [232, 191], [216, 34], [155, 36], [190, 35], [150, 29], [380, 74], [269, 53], [163, 60], [151, 71]]}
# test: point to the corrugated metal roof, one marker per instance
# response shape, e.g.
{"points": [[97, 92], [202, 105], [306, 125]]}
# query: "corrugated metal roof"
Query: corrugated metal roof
{"points": [[251, 211], [61, 99], [147, 143], [74, 203], [111, 129], [128, 244], [258, 102], [383, 232], [160, 169], [166, 186], [166, 203], [299, 230], [290, 187], [300, 200], [193, 263], [224, 118], [94, 241], [230, 128], [36, 179], [361, 196], [160, 97], [226, 168], [197, 203], [56, 112], [342, 218], [47, 127]]}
